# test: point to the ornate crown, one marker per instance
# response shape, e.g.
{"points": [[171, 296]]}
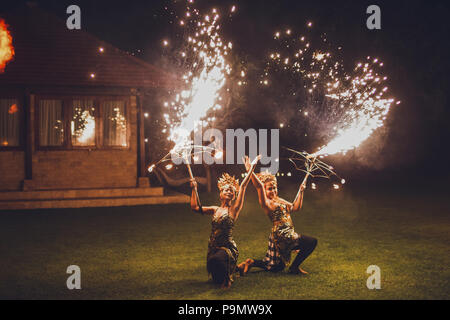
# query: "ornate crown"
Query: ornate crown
{"points": [[266, 177], [226, 179]]}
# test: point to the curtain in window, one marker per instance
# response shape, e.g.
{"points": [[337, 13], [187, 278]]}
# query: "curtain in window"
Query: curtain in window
{"points": [[82, 124], [114, 123], [9, 123], [51, 127]]}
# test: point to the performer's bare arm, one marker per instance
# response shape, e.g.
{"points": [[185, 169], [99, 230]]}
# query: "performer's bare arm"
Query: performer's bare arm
{"points": [[194, 202], [263, 201], [237, 207], [298, 202], [287, 203]]}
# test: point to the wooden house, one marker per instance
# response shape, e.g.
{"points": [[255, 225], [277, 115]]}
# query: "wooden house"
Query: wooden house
{"points": [[71, 119]]}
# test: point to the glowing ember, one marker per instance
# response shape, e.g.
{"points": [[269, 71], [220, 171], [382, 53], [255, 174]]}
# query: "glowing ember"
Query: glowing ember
{"points": [[6, 47], [13, 109]]}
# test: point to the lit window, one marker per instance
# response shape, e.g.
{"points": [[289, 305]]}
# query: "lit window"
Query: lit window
{"points": [[82, 125], [9, 123], [51, 126], [115, 123]]}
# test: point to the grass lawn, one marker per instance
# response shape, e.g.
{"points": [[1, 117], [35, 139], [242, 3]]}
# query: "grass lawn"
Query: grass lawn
{"points": [[159, 252]]}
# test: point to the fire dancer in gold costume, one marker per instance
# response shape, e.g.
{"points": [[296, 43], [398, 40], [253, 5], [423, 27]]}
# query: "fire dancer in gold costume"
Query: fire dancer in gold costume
{"points": [[283, 239], [222, 250]]}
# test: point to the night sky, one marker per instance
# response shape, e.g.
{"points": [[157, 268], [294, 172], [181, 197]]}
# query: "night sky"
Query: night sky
{"points": [[413, 43]]}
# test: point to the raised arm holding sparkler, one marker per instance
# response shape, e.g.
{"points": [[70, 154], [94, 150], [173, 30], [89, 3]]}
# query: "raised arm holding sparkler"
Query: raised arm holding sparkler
{"points": [[298, 202], [222, 250], [195, 201]]}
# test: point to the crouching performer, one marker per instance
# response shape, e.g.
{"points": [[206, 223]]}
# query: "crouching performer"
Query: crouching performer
{"points": [[222, 250], [283, 239]]}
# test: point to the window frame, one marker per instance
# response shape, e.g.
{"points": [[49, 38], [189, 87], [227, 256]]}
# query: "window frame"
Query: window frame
{"points": [[37, 111], [22, 127], [126, 101], [67, 114]]}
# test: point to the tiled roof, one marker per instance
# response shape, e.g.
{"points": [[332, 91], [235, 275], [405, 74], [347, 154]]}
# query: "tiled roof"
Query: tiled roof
{"points": [[47, 53]]}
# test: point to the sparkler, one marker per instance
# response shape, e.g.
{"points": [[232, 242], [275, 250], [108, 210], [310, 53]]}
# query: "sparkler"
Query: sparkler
{"points": [[6, 47], [195, 189], [312, 166], [187, 152]]}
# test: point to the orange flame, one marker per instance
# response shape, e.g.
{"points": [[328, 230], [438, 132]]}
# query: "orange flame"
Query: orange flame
{"points": [[13, 109], [6, 47]]}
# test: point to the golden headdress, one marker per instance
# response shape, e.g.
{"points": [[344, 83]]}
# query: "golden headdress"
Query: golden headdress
{"points": [[226, 179], [266, 177]]}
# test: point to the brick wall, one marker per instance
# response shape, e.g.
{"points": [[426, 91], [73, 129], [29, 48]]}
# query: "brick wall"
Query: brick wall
{"points": [[84, 169], [12, 169]]}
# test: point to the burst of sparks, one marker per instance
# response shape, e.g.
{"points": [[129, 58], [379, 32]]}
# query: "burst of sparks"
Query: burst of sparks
{"points": [[6, 46], [362, 96], [346, 107], [205, 78]]}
